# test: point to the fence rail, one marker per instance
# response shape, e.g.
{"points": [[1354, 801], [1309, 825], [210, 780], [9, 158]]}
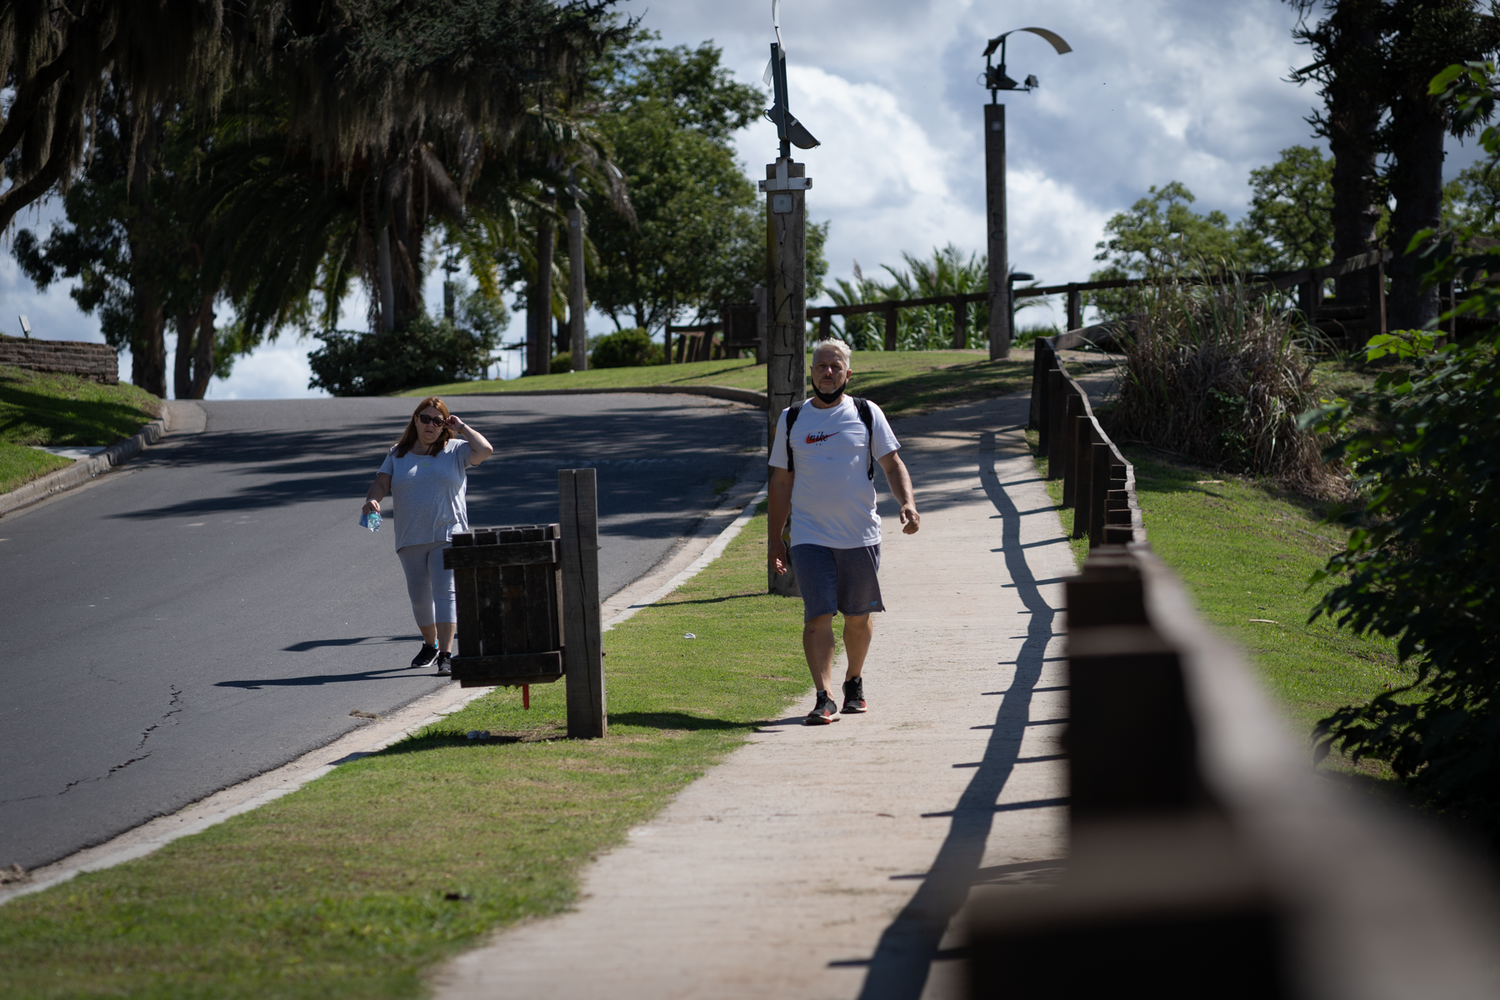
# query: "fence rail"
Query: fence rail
{"points": [[1207, 858]]}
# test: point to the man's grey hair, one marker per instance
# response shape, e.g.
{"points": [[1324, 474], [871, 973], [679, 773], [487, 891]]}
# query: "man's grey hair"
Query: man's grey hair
{"points": [[837, 346]]}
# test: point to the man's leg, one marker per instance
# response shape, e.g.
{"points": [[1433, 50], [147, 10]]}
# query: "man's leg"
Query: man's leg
{"points": [[817, 644], [858, 630]]}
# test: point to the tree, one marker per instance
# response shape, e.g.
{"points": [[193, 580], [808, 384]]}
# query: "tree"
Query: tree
{"points": [[1349, 72], [1290, 221], [133, 239], [1418, 566], [1162, 237], [698, 239], [59, 60]]}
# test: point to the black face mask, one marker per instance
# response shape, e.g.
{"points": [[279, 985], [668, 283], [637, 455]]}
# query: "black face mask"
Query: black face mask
{"points": [[830, 397]]}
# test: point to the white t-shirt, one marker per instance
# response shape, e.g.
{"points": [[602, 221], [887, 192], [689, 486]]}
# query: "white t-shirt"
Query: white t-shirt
{"points": [[429, 492], [833, 497]]}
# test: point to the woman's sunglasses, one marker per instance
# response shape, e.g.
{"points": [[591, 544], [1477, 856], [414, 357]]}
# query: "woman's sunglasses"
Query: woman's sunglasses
{"points": [[439, 421]]}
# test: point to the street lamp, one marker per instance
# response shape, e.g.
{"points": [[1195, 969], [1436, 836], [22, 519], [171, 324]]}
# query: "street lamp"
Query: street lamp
{"points": [[996, 80]]}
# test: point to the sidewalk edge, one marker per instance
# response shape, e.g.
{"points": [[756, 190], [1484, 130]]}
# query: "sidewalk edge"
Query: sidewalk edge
{"points": [[79, 472]]}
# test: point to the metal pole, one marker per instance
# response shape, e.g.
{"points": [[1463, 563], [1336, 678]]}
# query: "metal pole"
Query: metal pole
{"points": [[994, 173]]}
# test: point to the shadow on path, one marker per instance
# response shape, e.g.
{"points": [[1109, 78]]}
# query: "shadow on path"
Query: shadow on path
{"points": [[899, 968]]}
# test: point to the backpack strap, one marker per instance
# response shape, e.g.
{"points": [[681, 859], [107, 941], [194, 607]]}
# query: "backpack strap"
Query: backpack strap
{"points": [[791, 418], [863, 406]]}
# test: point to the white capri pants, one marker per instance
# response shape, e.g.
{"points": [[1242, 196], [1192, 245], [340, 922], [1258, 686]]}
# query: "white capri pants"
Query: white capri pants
{"points": [[428, 584]]}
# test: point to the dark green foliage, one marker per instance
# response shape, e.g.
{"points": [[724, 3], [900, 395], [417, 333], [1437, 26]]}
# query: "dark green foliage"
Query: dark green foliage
{"points": [[631, 348], [697, 239], [427, 352], [1420, 565]]}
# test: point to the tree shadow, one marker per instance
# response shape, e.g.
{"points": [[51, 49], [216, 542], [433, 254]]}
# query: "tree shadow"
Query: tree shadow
{"points": [[318, 680], [681, 721]]}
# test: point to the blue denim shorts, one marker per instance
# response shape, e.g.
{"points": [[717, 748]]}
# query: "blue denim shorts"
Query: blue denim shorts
{"points": [[837, 580]]}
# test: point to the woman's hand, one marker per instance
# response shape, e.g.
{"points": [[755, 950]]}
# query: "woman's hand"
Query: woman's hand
{"points": [[480, 447], [371, 506]]}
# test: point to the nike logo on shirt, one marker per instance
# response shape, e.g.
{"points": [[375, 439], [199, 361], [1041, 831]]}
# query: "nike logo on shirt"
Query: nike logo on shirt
{"points": [[820, 437]]}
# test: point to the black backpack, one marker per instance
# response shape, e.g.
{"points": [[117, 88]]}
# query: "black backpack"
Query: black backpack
{"points": [[860, 404]]}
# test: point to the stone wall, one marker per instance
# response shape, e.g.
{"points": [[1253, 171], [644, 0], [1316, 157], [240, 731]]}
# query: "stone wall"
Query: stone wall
{"points": [[93, 361]]}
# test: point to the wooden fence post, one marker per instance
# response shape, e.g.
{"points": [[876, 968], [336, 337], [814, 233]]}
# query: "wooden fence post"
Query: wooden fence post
{"points": [[578, 513], [960, 323], [825, 322], [890, 327], [1056, 411], [1039, 368], [1101, 458], [1075, 307], [1065, 441], [1083, 475]]}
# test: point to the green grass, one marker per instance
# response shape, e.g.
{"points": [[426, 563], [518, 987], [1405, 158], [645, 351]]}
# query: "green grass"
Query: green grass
{"points": [[903, 383], [45, 408], [356, 883], [1246, 550]]}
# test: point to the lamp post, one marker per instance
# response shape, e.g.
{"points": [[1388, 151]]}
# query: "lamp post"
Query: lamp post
{"points": [[995, 79]]}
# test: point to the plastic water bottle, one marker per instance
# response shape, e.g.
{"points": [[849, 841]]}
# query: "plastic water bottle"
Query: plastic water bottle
{"points": [[370, 520]]}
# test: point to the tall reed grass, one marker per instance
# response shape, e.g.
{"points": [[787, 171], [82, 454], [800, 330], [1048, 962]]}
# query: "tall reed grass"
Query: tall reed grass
{"points": [[1220, 375]]}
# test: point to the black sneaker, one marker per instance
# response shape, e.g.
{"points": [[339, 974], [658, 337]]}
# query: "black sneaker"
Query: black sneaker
{"points": [[445, 663], [824, 712], [854, 696], [425, 657]]}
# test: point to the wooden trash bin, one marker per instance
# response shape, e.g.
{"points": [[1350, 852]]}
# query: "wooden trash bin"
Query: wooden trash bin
{"points": [[509, 604], [528, 604]]}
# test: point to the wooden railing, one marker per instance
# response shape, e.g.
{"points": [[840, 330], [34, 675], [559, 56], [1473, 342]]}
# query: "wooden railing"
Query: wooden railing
{"points": [[1206, 856]]}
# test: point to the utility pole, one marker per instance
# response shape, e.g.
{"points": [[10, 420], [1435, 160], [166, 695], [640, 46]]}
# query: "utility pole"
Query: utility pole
{"points": [[579, 348], [995, 79], [999, 246], [785, 187]]}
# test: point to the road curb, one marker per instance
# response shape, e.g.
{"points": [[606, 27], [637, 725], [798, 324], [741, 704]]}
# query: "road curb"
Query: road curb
{"points": [[82, 471], [714, 391]]}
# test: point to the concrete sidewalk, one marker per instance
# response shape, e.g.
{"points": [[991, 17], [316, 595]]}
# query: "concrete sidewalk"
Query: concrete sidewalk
{"points": [[828, 861]]}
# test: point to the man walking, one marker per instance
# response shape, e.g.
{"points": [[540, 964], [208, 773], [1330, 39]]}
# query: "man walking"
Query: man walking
{"points": [[822, 475]]}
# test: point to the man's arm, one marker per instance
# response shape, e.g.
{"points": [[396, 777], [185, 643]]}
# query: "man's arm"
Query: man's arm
{"points": [[899, 481], [779, 492]]}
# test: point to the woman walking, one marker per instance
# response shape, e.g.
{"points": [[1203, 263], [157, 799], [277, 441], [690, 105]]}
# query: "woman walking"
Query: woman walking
{"points": [[426, 472]]}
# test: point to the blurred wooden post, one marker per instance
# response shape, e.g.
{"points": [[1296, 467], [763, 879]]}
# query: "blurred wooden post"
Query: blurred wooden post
{"points": [[994, 176], [890, 327], [825, 322], [577, 296], [1075, 307], [960, 323], [578, 517]]}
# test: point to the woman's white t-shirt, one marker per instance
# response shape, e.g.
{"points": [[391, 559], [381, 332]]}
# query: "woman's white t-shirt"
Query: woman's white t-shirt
{"points": [[833, 497], [429, 491]]}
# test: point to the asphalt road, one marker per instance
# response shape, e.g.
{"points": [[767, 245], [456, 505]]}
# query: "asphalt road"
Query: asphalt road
{"points": [[212, 610]]}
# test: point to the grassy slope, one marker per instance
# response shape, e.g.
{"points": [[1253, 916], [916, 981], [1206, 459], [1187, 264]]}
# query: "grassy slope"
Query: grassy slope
{"points": [[342, 889], [51, 409], [1246, 551], [902, 382]]}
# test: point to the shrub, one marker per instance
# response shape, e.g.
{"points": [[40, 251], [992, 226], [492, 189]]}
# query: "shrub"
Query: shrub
{"points": [[630, 348], [1420, 567], [561, 364], [427, 352], [1220, 377]]}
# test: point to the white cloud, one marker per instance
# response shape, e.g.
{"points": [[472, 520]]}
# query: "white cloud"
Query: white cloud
{"points": [[1154, 91]]}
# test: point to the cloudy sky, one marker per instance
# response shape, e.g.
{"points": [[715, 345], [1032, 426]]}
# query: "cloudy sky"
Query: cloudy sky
{"points": [[1153, 91]]}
